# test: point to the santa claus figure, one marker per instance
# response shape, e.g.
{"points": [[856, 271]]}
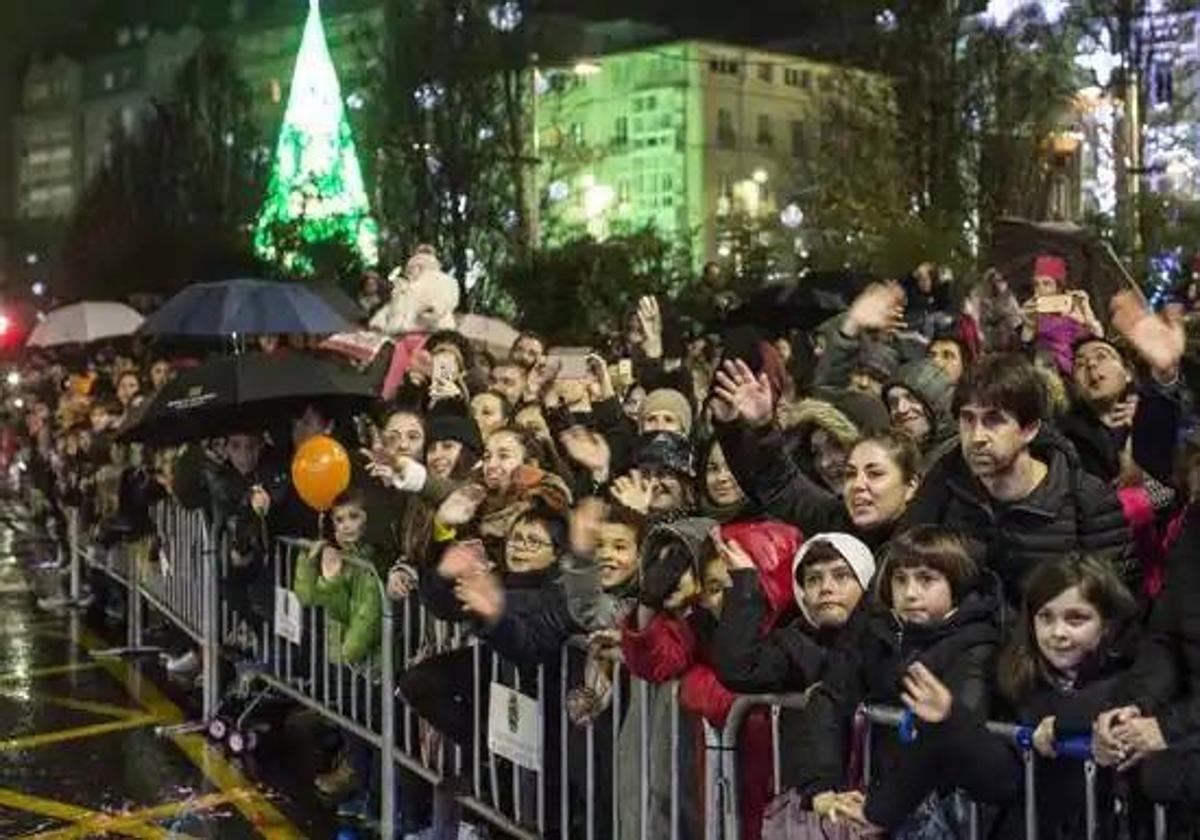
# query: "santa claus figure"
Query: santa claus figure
{"points": [[424, 297]]}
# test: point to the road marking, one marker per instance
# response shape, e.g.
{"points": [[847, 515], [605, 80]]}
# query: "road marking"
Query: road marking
{"points": [[68, 812], [260, 813], [90, 706], [98, 823], [51, 671], [28, 742]]}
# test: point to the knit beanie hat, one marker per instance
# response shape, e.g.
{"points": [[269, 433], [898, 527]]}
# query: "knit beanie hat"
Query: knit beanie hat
{"points": [[666, 451], [1052, 266], [451, 426], [670, 400], [853, 550], [925, 381]]}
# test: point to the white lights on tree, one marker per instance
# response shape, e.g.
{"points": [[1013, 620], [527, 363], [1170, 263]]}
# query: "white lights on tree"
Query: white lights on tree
{"points": [[791, 216], [1001, 11], [317, 182], [429, 95], [506, 16]]}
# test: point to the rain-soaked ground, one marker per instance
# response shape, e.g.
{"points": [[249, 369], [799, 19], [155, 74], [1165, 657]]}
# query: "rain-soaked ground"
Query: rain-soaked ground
{"points": [[79, 755]]}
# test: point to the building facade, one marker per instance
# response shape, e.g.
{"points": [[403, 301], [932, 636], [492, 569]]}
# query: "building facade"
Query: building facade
{"points": [[685, 137]]}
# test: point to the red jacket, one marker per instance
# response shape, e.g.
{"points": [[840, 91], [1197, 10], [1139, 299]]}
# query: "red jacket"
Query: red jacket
{"points": [[668, 648]]}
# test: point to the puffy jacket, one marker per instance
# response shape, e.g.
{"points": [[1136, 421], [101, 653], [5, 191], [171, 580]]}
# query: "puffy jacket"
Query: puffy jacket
{"points": [[351, 600], [990, 768], [960, 650], [1165, 682], [1071, 510], [536, 621]]}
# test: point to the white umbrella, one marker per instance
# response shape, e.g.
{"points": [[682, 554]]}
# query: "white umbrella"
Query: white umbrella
{"points": [[492, 333], [82, 323]]}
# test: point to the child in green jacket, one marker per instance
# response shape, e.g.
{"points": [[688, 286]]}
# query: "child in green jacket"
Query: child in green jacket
{"points": [[348, 592]]}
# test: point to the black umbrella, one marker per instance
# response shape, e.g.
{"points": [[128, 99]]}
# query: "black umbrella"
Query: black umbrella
{"points": [[800, 303], [1091, 263], [244, 394]]}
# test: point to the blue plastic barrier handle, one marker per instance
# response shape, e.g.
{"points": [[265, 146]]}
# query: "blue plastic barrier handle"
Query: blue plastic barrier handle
{"points": [[1077, 746], [908, 727], [1024, 737]]}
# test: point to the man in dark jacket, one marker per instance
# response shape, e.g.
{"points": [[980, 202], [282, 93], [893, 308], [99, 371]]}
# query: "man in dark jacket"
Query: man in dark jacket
{"points": [[1016, 489], [1112, 410]]}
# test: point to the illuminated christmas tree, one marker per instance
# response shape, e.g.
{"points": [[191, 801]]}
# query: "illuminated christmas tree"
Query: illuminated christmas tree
{"points": [[316, 191]]}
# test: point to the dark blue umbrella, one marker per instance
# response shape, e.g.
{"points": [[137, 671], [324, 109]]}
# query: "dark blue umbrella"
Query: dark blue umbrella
{"points": [[245, 307]]}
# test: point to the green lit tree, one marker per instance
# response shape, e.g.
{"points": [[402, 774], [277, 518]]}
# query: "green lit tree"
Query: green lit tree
{"points": [[316, 192]]}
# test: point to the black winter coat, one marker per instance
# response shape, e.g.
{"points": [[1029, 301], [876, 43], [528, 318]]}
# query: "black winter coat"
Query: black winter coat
{"points": [[990, 768], [1165, 682], [1160, 415], [960, 651], [790, 657], [1071, 510]]}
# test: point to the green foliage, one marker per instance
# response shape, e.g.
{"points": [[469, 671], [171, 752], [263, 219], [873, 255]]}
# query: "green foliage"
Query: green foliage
{"points": [[584, 289], [170, 202]]}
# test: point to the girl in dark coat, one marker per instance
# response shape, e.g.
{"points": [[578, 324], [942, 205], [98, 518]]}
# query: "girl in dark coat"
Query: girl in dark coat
{"points": [[1075, 640], [932, 612]]}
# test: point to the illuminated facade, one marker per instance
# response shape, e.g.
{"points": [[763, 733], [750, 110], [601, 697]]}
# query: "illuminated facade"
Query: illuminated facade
{"points": [[683, 136]]}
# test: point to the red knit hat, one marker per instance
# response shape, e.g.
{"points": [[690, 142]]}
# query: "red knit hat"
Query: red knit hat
{"points": [[1048, 265]]}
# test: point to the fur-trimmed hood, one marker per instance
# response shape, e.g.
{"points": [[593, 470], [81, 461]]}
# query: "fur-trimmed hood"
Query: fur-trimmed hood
{"points": [[845, 415]]}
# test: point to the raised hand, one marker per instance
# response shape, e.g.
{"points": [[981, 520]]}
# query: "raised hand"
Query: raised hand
{"points": [[634, 491], [331, 562], [481, 595], [650, 317], [880, 306], [587, 448], [460, 507], [585, 523], [748, 395], [732, 554], [1159, 339], [925, 695], [600, 385], [463, 559]]}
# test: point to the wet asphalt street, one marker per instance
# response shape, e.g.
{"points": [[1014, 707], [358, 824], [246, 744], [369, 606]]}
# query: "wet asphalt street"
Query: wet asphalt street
{"points": [[79, 755]]}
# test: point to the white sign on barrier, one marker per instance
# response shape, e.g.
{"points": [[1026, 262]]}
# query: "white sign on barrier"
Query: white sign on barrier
{"points": [[288, 620], [515, 727]]}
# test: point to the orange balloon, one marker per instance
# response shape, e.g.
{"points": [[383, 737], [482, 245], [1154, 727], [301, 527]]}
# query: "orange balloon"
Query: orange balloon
{"points": [[321, 472]]}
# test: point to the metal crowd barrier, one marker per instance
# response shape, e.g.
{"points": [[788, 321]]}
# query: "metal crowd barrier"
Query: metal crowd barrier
{"points": [[875, 715], [197, 587], [294, 661]]}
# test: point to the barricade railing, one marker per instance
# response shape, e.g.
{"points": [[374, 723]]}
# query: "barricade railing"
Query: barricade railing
{"points": [[579, 792], [286, 645], [1075, 748]]}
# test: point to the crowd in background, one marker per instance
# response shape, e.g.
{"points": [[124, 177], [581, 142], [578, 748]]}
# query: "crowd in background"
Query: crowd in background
{"points": [[975, 510]]}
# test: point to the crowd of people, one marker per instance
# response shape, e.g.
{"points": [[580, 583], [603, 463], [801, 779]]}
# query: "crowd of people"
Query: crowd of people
{"points": [[973, 509]]}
